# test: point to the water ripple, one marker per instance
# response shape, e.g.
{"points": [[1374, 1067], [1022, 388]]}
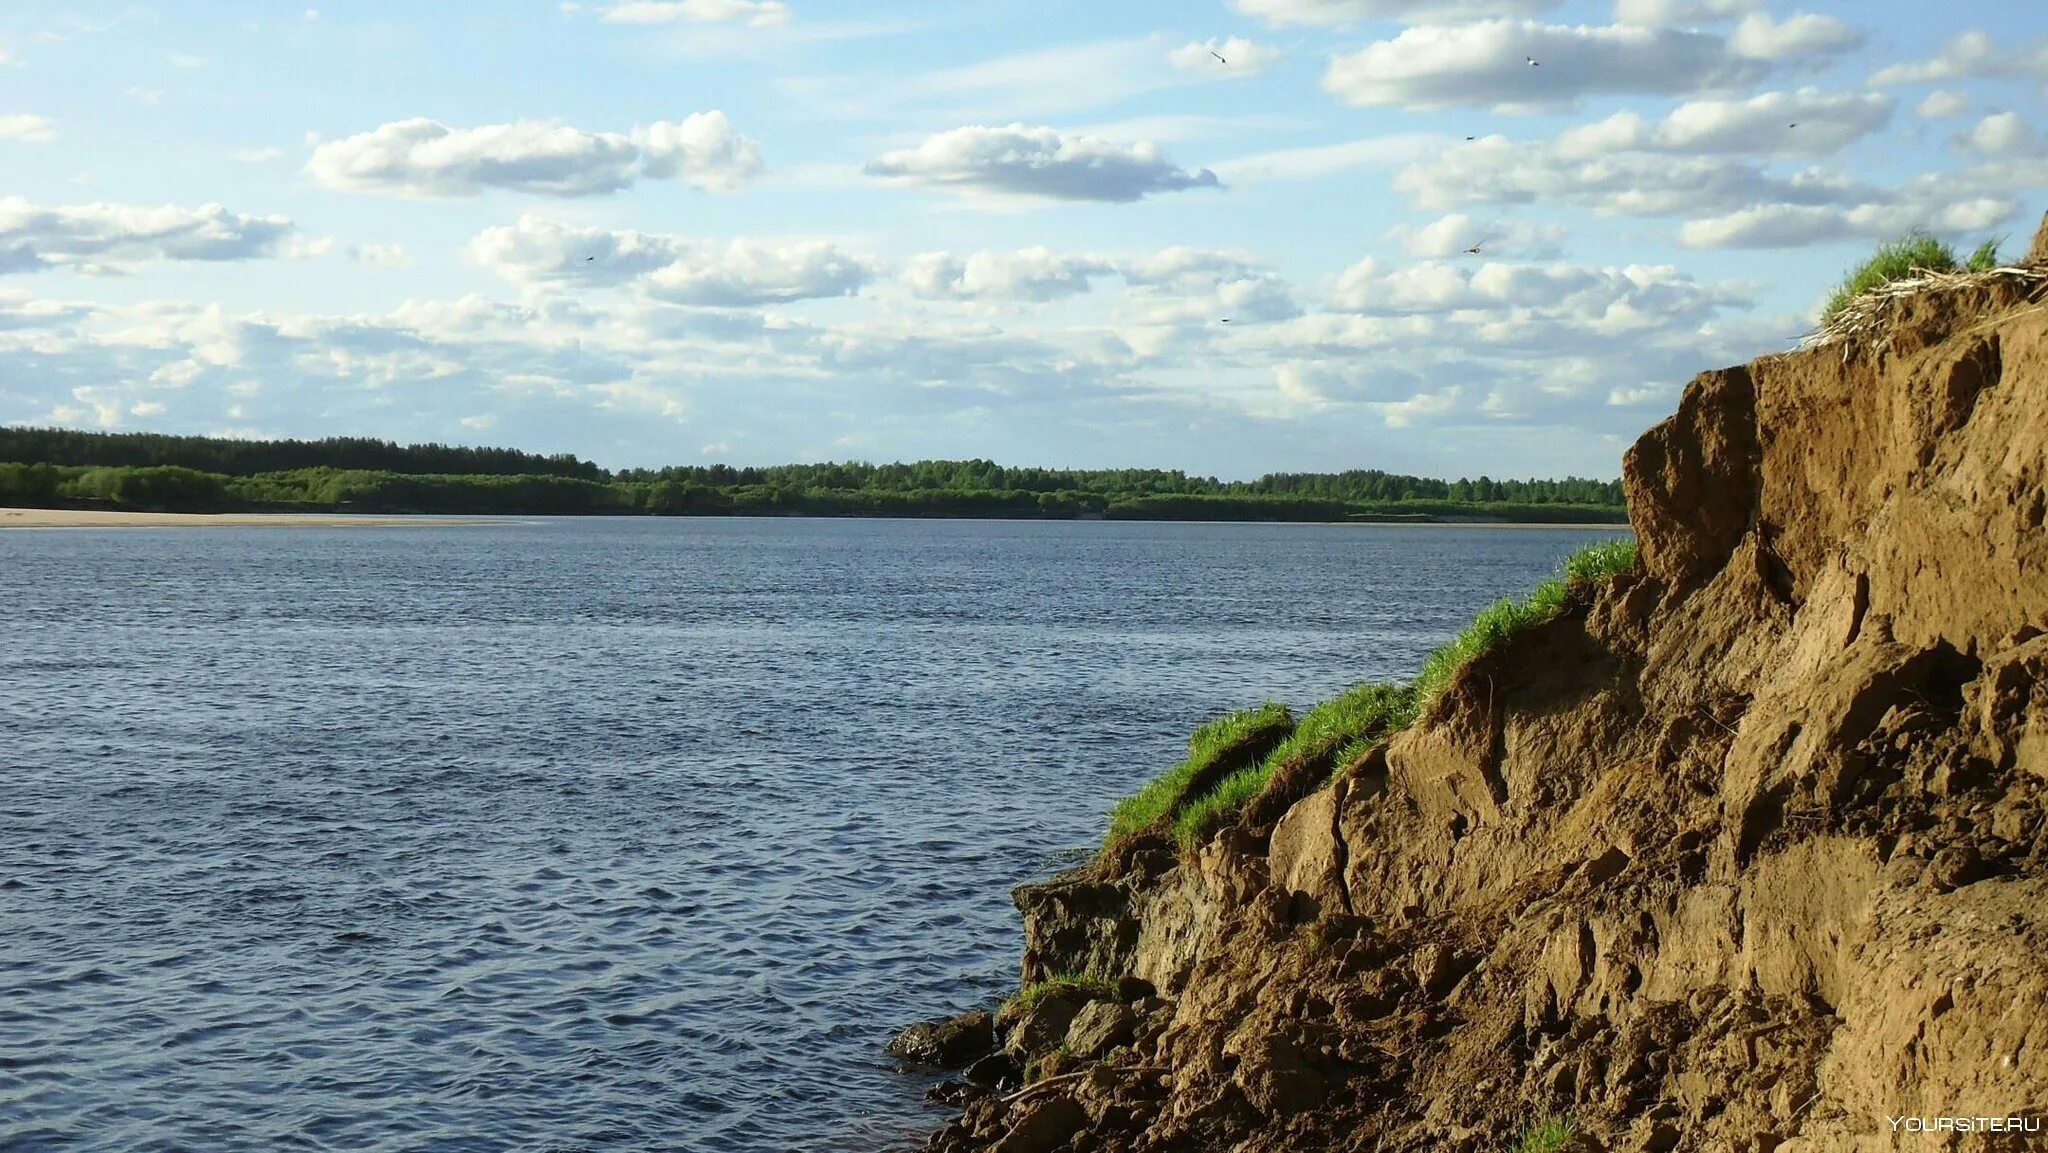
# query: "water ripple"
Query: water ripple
{"points": [[597, 836]]}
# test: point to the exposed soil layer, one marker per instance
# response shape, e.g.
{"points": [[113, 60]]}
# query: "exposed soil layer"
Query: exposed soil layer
{"points": [[1746, 851]]}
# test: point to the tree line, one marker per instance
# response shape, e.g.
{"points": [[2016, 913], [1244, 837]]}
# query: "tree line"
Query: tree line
{"points": [[229, 457], [56, 466]]}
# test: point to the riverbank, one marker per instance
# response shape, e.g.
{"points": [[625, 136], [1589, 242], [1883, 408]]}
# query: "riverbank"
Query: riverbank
{"points": [[98, 518], [1738, 846]]}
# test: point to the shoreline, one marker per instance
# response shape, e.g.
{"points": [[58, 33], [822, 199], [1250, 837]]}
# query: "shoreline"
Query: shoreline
{"points": [[111, 518], [107, 518]]}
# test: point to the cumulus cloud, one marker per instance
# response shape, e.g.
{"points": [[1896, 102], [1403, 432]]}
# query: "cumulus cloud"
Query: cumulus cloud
{"points": [[2000, 132], [1023, 161], [22, 126], [1942, 104], [1338, 13], [1031, 274], [1182, 285], [1453, 234], [1243, 59], [679, 270], [753, 272], [1796, 225], [1436, 66], [1759, 37], [1175, 287], [1626, 167], [1970, 54], [1680, 11], [1806, 121], [757, 13], [425, 158], [91, 237]]}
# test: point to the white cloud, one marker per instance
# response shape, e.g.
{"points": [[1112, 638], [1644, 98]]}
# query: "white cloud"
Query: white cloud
{"points": [[1030, 274], [381, 255], [1970, 54], [2000, 132], [1759, 37], [757, 13], [1942, 104], [1481, 64], [1680, 11], [1453, 234], [22, 126], [90, 237], [754, 272], [1806, 121], [1242, 59], [1339, 13], [424, 158], [1796, 225], [679, 270], [1023, 161], [1722, 192]]}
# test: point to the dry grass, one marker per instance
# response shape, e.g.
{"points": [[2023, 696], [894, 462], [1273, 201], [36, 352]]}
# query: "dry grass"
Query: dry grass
{"points": [[1869, 313]]}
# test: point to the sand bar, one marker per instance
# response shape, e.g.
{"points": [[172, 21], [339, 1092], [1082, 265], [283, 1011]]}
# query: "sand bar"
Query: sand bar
{"points": [[97, 518]]}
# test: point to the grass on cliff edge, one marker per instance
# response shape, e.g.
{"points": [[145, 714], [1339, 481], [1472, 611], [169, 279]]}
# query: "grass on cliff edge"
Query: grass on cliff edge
{"points": [[1214, 743], [1549, 1135], [1346, 726], [1911, 254], [1331, 734], [1504, 618]]}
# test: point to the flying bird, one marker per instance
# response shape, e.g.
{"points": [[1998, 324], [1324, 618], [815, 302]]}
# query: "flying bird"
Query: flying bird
{"points": [[1794, 124], [1474, 250], [1219, 56], [1471, 138], [588, 259], [1532, 61], [1225, 320]]}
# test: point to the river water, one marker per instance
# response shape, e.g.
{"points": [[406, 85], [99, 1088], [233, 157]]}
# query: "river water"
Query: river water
{"points": [[600, 834]]}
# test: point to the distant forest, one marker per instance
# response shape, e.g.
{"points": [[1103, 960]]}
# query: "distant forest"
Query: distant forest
{"points": [[40, 466]]}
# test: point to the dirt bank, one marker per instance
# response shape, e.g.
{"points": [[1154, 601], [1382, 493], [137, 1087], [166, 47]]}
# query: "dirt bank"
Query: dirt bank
{"points": [[1746, 851]]}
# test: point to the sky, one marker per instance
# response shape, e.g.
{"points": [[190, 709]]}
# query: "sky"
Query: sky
{"points": [[1447, 237]]}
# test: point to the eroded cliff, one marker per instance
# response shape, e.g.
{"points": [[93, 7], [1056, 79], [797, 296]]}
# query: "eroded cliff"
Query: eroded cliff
{"points": [[1744, 851]]}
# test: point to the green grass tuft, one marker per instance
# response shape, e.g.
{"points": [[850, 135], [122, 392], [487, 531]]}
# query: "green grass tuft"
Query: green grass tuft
{"points": [[1600, 560], [1548, 1135], [1985, 258], [1329, 735], [1196, 822], [1504, 618], [1910, 255], [1215, 742], [1074, 986], [1338, 731]]}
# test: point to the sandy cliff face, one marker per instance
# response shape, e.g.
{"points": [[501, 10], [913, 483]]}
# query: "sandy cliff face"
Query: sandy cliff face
{"points": [[1749, 851]]}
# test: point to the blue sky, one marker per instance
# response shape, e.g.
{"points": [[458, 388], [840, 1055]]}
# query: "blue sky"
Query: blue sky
{"points": [[1046, 233]]}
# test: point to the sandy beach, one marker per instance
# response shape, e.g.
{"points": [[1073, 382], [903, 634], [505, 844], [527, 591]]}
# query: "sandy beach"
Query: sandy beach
{"points": [[94, 518]]}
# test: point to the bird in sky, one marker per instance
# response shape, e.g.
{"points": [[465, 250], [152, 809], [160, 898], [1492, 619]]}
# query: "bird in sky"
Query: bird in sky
{"points": [[1474, 250], [588, 259], [1471, 138], [1794, 124], [1219, 56], [1532, 61], [1225, 320]]}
